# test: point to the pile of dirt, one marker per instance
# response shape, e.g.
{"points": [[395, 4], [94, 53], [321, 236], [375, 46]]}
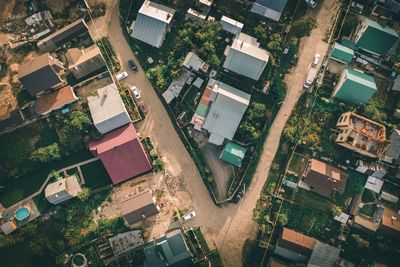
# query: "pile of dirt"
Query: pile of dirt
{"points": [[8, 101]]}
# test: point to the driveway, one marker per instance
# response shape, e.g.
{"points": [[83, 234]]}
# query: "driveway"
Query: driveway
{"points": [[231, 225]]}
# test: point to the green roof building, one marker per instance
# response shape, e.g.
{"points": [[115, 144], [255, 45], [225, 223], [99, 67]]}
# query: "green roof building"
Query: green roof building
{"points": [[355, 87], [375, 38], [233, 154], [342, 53]]}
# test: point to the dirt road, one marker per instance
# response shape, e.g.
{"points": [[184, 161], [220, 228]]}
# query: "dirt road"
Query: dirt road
{"points": [[229, 226]]}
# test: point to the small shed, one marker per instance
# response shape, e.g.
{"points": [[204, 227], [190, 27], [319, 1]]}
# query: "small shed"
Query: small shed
{"points": [[342, 53], [231, 25], [233, 154], [374, 184]]}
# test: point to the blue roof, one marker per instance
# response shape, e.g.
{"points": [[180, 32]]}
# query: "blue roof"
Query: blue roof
{"points": [[277, 5]]}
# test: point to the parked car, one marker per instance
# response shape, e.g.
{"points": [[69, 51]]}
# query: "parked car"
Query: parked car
{"points": [[311, 3], [135, 92], [121, 75], [132, 65], [239, 195], [189, 216], [316, 60]]}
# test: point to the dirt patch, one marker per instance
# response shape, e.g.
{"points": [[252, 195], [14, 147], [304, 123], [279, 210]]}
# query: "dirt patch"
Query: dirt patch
{"points": [[221, 171], [87, 90], [8, 101], [12, 9], [56, 6]]}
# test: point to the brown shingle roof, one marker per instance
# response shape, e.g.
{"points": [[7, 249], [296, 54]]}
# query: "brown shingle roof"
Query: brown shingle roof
{"points": [[138, 206], [40, 74], [55, 100], [324, 178], [390, 223], [297, 242]]}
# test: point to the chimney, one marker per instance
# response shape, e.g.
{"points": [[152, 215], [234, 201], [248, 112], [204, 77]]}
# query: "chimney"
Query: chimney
{"points": [[168, 16]]}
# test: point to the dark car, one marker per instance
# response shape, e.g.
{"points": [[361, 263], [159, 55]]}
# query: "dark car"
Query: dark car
{"points": [[132, 65], [239, 195]]}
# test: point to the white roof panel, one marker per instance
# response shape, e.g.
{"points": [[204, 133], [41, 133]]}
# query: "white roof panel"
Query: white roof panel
{"points": [[231, 25], [107, 104], [374, 184]]}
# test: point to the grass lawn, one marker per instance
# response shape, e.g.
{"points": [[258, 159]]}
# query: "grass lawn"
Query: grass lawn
{"points": [[312, 200], [95, 175], [16, 189], [308, 220]]}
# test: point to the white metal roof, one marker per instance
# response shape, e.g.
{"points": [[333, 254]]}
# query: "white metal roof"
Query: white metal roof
{"points": [[323, 255], [107, 104], [227, 109], [245, 57], [193, 61], [151, 23], [157, 11], [374, 184], [231, 25], [176, 86]]}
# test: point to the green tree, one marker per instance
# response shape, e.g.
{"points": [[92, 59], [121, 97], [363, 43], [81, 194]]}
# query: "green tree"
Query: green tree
{"points": [[275, 44], [282, 219], [261, 33], [79, 122], [46, 154], [336, 210], [84, 194], [304, 26]]}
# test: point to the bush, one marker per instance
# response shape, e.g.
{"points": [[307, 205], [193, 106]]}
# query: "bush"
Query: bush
{"points": [[304, 26], [46, 154]]}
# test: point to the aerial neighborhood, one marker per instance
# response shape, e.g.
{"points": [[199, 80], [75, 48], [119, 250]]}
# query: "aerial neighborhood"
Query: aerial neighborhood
{"points": [[200, 133]]}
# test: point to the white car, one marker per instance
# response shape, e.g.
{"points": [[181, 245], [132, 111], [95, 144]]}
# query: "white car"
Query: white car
{"points": [[311, 3], [189, 216], [316, 60], [121, 75], [135, 92]]}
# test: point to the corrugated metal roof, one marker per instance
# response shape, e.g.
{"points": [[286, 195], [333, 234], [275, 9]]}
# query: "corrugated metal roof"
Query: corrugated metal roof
{"points": [[245, 57], [323, 255], [231, 25], [342, 53], [377, 39], [374, 184], [271, 9], [107, 107], [393, 149], [151, 23], [233, 153], [226, 111], [122, 154], [357, 87]]}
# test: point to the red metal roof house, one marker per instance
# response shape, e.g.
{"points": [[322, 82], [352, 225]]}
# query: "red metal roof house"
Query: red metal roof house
{"points": [[122, 154]]}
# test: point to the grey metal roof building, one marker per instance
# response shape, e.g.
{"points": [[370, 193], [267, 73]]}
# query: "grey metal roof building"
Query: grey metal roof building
{"points": [[245, 57], [168, 250], [227, 109], [323, 255], [151, 23], [40, 74], [54, 40], [107, 109], [271, 9], [392, 153]]}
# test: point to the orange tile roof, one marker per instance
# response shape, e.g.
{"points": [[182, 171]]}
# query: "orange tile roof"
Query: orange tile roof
{"points": [[297, 239], [55, 100]]}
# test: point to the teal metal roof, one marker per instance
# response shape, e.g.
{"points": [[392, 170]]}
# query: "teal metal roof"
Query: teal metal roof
{"points": [[233, 154], [342, 53], [357, 88], [377, 39]]}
